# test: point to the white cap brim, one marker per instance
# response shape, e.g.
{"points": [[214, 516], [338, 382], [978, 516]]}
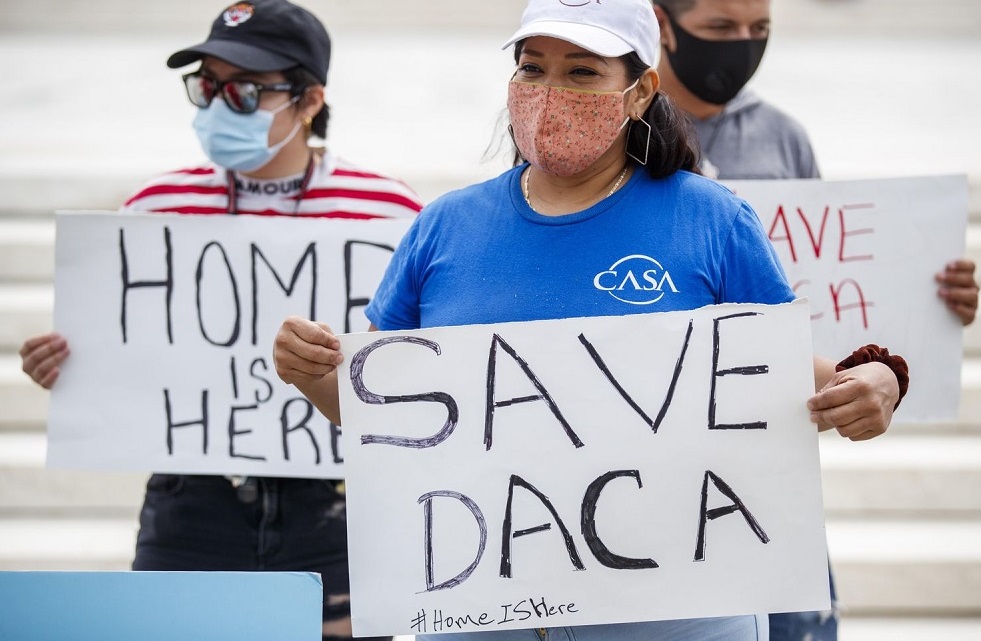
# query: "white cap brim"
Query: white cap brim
{"points": [[589, 37]]}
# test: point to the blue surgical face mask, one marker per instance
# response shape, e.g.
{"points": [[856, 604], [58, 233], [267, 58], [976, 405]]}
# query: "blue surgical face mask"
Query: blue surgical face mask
{"points": [[239, 142]]}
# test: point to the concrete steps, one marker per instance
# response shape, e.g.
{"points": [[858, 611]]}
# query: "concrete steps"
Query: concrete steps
{"points": [[67, 544], [907, 566], [28, 489], [904, 474], [22, 404], [857, 628]]}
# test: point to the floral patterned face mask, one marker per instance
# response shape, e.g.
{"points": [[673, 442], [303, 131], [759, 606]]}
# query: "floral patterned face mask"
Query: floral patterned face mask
{"points": [[563, 131]]}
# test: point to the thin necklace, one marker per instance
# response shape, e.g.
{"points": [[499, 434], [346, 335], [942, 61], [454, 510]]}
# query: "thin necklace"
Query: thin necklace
{"points": [[527, 193]]}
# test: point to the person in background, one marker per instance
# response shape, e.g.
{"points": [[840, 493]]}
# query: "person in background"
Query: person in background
{"points": [[258, 91], [607, 171], [710, 50]]}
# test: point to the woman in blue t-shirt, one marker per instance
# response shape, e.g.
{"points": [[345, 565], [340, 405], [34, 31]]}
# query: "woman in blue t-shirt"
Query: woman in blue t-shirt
{"points": [[608, 184]]}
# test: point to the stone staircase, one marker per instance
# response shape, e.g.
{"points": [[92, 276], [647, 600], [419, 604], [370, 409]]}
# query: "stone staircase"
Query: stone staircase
{"points": [[87, 117]]}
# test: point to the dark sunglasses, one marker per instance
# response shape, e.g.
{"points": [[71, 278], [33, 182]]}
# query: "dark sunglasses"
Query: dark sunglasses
{"points": [[241, 96]]}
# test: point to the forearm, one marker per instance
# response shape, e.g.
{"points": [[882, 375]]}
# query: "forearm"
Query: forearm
{"points": [[323, 394], [824, 369]]}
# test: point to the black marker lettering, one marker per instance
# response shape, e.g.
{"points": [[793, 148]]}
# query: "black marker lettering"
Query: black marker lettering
{"points": [[311, 254], [171, 425], [357, 381], [167, 283], [542, 395], [596, 546], [717, 373], [523, 615], [288, 429], [335, 442], [233, 432], [261, 379], [507, 536], [234, 373], [655, 423], [427, 506], [353, 303], [236, 327], [706, 514]]}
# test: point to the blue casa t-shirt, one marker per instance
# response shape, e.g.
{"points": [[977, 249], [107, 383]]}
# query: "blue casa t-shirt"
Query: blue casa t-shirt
{"points": [[482, 255]]}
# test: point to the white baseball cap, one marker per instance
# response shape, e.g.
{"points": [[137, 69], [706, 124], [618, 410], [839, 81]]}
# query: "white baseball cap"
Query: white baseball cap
{"points": [[608, 28]]}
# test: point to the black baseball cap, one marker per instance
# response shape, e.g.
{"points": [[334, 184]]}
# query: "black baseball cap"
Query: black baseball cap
{"points": [[264, 35]]}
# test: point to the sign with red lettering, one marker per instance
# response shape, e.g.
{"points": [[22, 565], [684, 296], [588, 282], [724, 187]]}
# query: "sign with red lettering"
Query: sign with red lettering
{"points": [[865, 253], [583, 471]]}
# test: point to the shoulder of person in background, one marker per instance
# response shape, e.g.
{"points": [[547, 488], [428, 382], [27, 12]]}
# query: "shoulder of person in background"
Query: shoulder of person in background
{"points": [[753, 139], [171, 190]]}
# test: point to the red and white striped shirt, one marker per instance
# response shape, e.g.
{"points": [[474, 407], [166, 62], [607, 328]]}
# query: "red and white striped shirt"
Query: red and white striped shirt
{"points": [[336, 189]]}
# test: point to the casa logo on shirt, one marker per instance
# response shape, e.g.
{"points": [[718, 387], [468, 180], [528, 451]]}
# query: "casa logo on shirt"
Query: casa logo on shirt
{"points": [[237, 14], [635, 279]]}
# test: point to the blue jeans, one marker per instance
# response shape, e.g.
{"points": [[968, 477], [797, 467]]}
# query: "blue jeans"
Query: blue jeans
{"points": [[807, 626], [194, 523], [741, 628]]}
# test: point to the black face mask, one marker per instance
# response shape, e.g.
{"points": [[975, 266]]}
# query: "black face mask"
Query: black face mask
{"points": [[714, 70]]}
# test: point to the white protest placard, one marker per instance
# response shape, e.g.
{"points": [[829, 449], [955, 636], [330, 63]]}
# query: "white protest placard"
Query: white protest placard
{"points": [[170, 320], [865, 252], [583, 471]]}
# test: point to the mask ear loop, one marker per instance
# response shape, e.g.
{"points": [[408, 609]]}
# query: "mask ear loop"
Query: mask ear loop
{"points": [[296, 129], [283, 107]]}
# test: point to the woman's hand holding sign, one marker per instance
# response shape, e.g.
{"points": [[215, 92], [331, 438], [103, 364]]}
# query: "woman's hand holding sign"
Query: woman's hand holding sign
{"points": [[306, 354], [858, 402], [959, 290], [42, 356]]}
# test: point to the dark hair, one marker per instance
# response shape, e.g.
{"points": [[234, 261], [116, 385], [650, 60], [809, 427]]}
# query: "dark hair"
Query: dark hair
{"points": [[300, 78], [672, 143], [675, 7]]}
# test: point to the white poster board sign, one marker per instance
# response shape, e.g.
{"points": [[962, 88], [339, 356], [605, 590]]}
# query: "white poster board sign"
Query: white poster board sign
{"points": [[583, 471], [865, 253], [170, 321]]}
